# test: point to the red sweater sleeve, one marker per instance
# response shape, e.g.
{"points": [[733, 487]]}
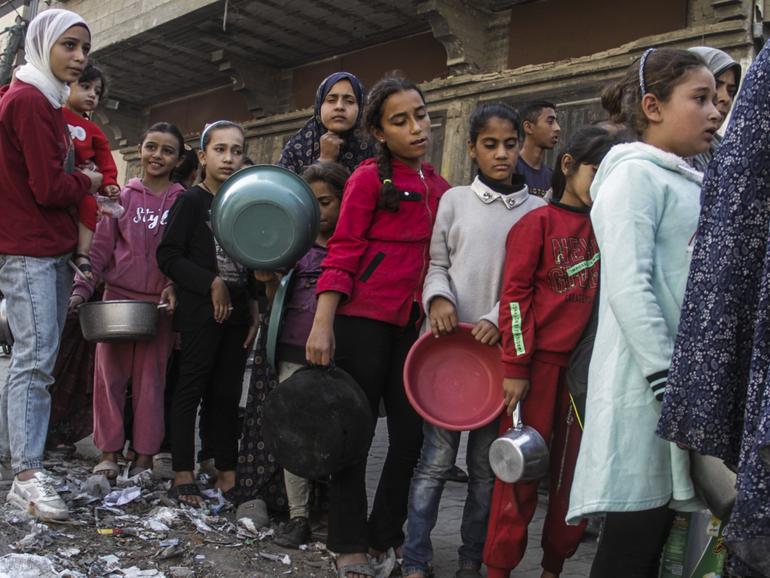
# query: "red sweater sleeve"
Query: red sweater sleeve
{"points": [[105, 163], [50, 184], [349, 242], [523, 251]]}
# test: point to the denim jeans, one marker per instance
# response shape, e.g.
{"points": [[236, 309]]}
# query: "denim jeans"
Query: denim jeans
{"points": [[37, 291], [439, 451]]}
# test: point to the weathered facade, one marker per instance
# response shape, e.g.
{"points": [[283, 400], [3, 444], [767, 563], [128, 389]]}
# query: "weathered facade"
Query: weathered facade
{"points": [[259, 61]]}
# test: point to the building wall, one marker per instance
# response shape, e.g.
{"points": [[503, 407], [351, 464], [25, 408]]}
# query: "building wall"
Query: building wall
{"points": [[572, 81], [420, 57], [112, 21], [191, 114], [558, 29]]}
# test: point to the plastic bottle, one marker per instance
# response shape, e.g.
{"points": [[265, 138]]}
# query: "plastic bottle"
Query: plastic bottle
{"points": [[675, 550], [109, 207]]}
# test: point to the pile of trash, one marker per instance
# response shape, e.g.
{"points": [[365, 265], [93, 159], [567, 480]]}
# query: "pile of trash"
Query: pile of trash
{"points": [[132, 529]]}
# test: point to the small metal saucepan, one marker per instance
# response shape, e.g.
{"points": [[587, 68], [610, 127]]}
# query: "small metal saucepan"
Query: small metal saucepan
{"points": [[122, 320], [520, 454], [6, 337]]}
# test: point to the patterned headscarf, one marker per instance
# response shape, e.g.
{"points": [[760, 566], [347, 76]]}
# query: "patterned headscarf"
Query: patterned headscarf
{"points": [[304, 147]]}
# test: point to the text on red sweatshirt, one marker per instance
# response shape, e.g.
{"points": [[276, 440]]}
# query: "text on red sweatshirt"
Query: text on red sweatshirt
{"points": [[123, 250], [550, 280]]}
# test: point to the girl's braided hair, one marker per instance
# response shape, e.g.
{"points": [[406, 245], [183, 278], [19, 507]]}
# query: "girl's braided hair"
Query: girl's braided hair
{"points": [[389, 194]]}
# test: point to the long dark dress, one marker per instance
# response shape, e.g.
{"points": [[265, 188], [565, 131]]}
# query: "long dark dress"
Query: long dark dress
{"points": [[72, 391], [716, 400], [258, 475]]}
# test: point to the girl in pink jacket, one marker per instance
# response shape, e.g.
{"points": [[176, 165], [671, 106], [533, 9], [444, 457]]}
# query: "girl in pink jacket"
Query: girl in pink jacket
{"points": [[123, 255], [368, 308]]}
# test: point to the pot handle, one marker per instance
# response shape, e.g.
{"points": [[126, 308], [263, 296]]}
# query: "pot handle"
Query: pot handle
{"points": [[162, 305], [516, 417]]}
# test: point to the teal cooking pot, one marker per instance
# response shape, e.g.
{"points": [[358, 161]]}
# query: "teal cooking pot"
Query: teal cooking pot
{"points": [[265, 217]]}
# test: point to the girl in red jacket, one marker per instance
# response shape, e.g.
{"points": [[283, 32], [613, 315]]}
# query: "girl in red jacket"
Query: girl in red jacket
{"points": [[368, 307], [550, 280]]}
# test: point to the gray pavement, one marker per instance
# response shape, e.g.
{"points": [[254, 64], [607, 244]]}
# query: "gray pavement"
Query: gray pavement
{"points": [[446, 535]]}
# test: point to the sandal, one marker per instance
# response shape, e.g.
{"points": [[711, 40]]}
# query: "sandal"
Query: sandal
{"points": [[365, 569], [107, 468], [176, 493]]}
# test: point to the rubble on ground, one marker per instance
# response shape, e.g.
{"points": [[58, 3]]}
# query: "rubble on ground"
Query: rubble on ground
{"points": [[132, 529]]}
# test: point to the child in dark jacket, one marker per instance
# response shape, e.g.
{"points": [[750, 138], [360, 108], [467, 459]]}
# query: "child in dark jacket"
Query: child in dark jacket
{"points": [[216, 316], [368, 308], [327, 180], [550, 281]]}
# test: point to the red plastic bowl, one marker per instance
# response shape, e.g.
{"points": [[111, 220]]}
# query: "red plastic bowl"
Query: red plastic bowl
{"points": [[454, 382]]}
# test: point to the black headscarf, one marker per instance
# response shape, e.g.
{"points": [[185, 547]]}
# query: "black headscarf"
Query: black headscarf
{"points": [[304, 147]]}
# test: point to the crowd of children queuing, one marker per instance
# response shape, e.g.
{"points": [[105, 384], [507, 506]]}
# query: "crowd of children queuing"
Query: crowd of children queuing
{"points": [[536, 260]]}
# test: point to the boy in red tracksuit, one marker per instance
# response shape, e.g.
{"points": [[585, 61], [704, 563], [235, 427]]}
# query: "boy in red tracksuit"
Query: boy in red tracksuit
{"points": [[550, 281]]}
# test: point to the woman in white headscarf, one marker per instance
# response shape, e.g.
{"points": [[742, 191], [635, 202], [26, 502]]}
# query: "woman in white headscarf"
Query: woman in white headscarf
{"points": [[37, 235]]}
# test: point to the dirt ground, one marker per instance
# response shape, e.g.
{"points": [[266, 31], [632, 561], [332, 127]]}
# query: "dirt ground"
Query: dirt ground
{"points": [[147, 536]]}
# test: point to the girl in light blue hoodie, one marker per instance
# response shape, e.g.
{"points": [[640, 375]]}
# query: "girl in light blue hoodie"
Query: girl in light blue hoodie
{"points": [[645, 214]]}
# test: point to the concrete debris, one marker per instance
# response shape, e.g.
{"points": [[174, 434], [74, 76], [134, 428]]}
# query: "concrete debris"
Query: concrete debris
{"points": [[27, 566], [123, 497], [132, 529], [284, 559], [97, 486]]}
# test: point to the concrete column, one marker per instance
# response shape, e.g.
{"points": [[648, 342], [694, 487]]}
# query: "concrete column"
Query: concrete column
{"points": [[701, 12], [475, 40], [455, 164], [260, 84]]}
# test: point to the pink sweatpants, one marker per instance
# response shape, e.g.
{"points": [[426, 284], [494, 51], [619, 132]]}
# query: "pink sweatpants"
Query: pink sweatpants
{"points": [[144, 364]]}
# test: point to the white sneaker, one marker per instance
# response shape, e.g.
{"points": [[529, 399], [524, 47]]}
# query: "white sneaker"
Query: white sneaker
{"points": [[38, 497]]}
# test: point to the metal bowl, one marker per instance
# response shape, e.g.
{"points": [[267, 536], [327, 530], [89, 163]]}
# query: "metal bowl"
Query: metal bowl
{"points": [[265, 217], [6, 337], [122, 320]]}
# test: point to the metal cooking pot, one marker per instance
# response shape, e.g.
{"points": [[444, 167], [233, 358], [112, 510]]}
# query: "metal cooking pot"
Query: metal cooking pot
{"points": [[265, 217], [6, 337], [122, 320], [520, 454]]}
